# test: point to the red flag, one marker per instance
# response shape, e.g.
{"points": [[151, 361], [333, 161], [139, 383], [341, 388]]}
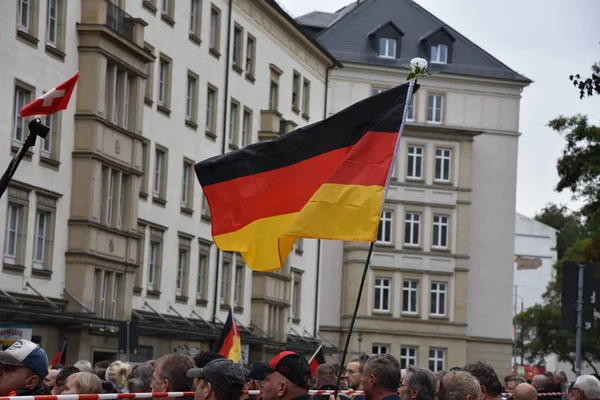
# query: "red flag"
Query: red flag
{"points": [[55, 100], [317, 359]]}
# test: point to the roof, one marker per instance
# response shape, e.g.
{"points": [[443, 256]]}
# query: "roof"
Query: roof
{"points": [[346, 38], [324, 50]]}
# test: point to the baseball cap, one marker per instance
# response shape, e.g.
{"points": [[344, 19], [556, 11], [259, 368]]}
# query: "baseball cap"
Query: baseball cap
{"points": [[222, 373], [289, 364], [24, 353]]}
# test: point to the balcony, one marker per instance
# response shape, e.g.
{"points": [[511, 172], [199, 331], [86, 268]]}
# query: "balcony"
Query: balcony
{"points": [[119, 21], [272, 125]]}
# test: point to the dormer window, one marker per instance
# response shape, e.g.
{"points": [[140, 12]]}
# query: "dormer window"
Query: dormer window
{"points": [[387, 47], [439, 53]]}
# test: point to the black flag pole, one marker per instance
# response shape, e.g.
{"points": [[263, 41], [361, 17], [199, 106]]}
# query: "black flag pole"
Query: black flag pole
{"points": [[36, 128]]}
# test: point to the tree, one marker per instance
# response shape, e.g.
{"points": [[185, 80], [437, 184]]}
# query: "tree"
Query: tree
{"points": [[587, 86], [568, 224]]}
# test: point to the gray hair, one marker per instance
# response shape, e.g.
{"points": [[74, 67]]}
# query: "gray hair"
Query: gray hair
{"points": [[387, 370], [458, 385], [141, 378], [84, 366], [423, 380], [589, 385], [560, 374], [440, 374]]}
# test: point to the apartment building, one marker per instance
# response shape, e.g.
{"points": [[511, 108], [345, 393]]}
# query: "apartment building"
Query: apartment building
{"points": [[440, 279], [105, 220]]}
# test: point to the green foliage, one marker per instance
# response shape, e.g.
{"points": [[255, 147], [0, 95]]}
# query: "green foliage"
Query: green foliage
{"points": [[587, 86]]}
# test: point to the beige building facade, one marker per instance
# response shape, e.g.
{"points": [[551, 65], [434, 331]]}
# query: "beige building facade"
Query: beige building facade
{"points": [[106, 228]]}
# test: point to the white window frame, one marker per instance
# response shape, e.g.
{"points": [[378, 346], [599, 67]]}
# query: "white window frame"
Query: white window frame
{"points": [[439, 296], [234, 114], [159, 159], [379, 349], [238, 40], [115, 295], [246, 129], [182, 256], [436, 54], [193, 19], [410, 115], [185, 179], [238, 288], [189, 99], [443, 156], [103, 294], [385, 219], [415, 155], [410, 286], [166, 7], [226, 271], [412, 223], [387, 47], [214, 25], [21, 99], [12, 229], [408, 356], [52, 22], [441, 223], [201, 275], [24, 18], [152, 258], [382, 285], [435, 105], [163, 69], [437, 357], [46, 147], [211, 95], [42, 219]]}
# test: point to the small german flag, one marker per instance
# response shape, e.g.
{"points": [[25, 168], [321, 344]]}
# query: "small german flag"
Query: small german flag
{"points": [[322, 181], [229, 344], [317, 359]]}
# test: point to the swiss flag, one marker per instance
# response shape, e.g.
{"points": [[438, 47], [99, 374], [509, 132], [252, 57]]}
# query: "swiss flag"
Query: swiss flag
{"points": [[55, 100]]}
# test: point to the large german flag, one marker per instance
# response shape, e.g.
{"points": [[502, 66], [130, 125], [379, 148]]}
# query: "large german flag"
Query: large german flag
{"points": [[229, 344], [322, 181]]}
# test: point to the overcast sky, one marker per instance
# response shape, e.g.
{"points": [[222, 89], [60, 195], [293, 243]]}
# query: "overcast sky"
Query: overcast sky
{"points": [[546, 40]]}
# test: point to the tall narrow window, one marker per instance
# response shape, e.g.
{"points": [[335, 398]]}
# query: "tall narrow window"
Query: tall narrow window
{"points": [[382, 295], [440, 231], [410, 297], [52, 23], [412, 229], [414, 167], [435, 102], [384, 233], [443, 164]]}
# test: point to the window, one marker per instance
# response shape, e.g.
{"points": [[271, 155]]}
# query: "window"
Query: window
{"points": [[412, 229], [296, 297], [138, 283], [436, 359], [387, 48], [118, 96], [211, 109], [274, 88], [238, 290], [202, 275], [434, 108], [115, 189], [50, 146], [215, 28], [183, 267], [250, 56], [115, 295], [226, 278], [145, 170], [205, 208], [154, 248], [105, 296], [191, 100], [382, 295], [440, 231], [438, 299], [296, 92], [44, 233], [195, 19], [22, 97], [234, 122], [442, 164], [238, 48], [155, 256], [379, 349], [410, 298], [408, 356], [187, 186], [27, 18], [167, 10], [410, 115], [305, 98], [150, 72], [14, 242], [52, 23], [384, 232], [23, 16], [414, 167], [439, 54], [159, 187], [164, 82], [246, 128]]}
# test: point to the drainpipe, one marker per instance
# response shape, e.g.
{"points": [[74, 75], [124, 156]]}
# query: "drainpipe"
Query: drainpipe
{"points": [[317, 281], [224, 138]]}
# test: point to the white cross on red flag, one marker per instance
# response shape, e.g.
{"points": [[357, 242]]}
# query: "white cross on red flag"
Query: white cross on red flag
{"points": [[55, 100]]}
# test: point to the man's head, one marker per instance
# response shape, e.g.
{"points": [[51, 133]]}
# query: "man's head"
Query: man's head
{"points": [[381, 376], [525, 391], [560, 377], [459, 385], [540, 382], [487, 377], [170, 374], [513, 382], [438, 379], [417, 384], [219, 379], [50, 379], [24, 365], [61, 379], [326, 375], [353, 374], [586, 387], [286, 376], [84, 366], [205, 357]]}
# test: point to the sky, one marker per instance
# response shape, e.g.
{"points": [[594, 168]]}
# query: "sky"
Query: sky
{"points": [[545, 40]]}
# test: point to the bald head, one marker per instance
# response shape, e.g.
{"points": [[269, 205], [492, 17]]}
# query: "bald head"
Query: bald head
{"points": [[540, 382], [525, 391]]}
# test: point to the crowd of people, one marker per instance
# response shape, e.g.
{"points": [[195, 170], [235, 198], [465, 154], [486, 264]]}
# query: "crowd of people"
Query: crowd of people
{"points": [[210, 376]]}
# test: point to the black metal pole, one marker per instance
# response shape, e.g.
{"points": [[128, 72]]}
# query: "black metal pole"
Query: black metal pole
{"points": [[36, 128], [356, 306]]}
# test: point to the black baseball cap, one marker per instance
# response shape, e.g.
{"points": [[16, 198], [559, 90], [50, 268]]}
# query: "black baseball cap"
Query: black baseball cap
{"points": [[289, 364], [222, 373]]}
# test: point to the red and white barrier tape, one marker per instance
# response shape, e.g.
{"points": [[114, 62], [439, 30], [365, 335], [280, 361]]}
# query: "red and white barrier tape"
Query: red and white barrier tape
{"points": [[112, 396]]}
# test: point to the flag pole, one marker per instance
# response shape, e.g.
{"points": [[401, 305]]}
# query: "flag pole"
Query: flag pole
{"points": [[368, 260], [315, 354], [36, 128]]}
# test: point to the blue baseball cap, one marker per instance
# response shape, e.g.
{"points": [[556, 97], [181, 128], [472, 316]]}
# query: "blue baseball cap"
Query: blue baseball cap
{"points": [[24, 353]]}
